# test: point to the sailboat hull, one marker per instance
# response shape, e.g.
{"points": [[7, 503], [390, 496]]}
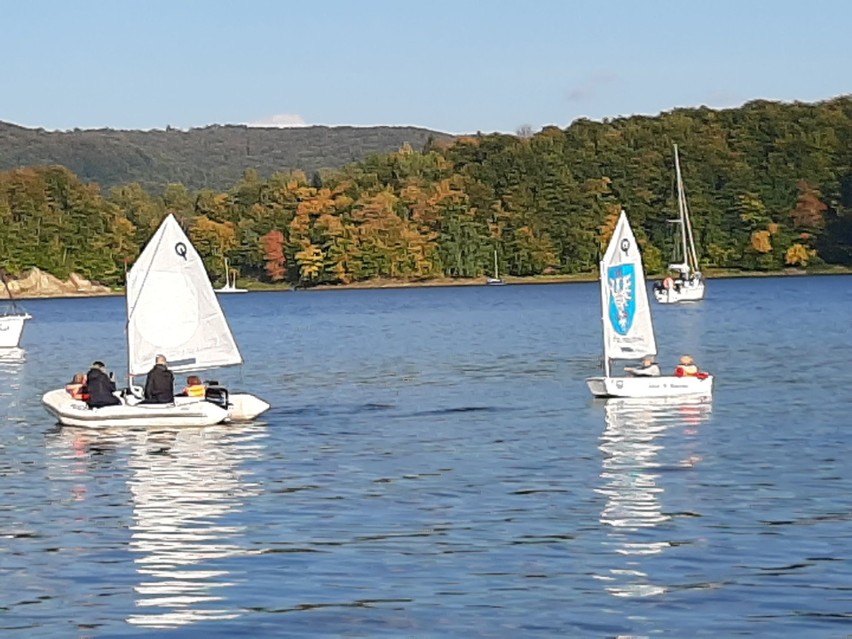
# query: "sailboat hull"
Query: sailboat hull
{"points": [[663, 386], [688, 292], [11, 327]]}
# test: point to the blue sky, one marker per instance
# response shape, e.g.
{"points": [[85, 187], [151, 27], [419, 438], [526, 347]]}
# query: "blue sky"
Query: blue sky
{"points": [[456, 66]]}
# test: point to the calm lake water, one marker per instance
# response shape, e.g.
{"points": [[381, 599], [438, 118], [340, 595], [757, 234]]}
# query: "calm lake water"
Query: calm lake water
{"points": [[434, 466]]}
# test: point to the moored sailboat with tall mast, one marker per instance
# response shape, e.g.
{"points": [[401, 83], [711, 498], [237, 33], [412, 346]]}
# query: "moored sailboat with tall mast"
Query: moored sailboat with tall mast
{"points": [[688, 284]]}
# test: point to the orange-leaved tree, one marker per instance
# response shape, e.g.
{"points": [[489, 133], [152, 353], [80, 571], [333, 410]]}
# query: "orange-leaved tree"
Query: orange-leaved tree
{"points": [[273, 254]]}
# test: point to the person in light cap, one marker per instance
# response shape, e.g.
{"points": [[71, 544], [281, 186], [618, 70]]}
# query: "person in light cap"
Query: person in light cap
{"points": [[160, 383], [649, 368]]}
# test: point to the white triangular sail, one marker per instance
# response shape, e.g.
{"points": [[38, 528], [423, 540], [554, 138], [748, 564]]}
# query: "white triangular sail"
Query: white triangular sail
{"points": [[172, 309], [627, 327]]}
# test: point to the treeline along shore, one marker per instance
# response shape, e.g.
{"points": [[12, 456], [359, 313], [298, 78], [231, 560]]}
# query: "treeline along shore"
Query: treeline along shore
{"points": [[769, 187]]}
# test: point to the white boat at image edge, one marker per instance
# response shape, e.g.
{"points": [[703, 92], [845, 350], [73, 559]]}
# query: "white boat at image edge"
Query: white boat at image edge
{"points": [[689, 285], [628, 329], [171, 310], [11, 328], [230, 284]]}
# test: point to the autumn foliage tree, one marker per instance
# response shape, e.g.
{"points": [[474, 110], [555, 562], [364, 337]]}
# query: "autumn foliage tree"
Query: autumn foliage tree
{"points": [[273, 254], [769, 186]]}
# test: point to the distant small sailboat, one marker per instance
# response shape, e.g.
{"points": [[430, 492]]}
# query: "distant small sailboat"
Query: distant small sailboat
{"points": [[689, 285], [628, 329], [230, 284], [495, 281]]}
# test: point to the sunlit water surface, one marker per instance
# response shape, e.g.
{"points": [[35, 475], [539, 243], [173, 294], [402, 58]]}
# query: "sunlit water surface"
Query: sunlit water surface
{"points": [[434, 466]]}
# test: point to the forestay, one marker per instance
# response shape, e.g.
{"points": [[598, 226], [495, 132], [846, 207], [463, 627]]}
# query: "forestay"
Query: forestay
{"points": [[172, 309], [627, 327]]}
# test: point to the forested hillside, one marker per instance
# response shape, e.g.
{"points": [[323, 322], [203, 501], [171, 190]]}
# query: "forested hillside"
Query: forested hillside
{"points": [[769, 186], [213, 157]]}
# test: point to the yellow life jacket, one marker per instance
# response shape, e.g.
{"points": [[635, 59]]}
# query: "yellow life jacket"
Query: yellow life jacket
{"points": [[196, 390]]}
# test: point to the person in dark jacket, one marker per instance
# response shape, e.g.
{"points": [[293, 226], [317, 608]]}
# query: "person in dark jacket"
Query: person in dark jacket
{"points": [[100, 387], [160, 383]]}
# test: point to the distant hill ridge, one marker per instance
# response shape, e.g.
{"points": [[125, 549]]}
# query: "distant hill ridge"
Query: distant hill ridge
{"points": [[211, 157]]}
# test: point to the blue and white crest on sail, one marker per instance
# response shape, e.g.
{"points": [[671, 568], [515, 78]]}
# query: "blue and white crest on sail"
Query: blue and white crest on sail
{"points": [[622, 297], [627, 327]]}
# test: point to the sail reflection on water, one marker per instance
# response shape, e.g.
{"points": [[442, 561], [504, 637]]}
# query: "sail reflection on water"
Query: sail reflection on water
{"points": [[184, 483], [632, 443]]}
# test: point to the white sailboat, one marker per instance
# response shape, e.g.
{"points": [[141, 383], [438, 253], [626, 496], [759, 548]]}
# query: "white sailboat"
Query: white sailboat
{"points": [[628, 329], [11, 328], [495, 281], [230, 284], [171, 310], [689, 285]]}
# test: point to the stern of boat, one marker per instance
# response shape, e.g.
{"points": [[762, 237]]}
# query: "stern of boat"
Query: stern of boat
{"points": [[597, 385]]}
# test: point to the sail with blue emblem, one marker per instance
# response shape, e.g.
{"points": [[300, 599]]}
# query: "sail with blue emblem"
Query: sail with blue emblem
{"points": [[628, 329]]}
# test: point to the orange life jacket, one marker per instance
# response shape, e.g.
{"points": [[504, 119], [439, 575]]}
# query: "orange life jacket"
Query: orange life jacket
{"points": [[77, 391], [196, 390]]}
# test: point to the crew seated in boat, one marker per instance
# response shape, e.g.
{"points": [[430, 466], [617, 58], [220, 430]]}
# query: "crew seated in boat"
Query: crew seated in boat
{"points": [[687, 368], [649, 368], [670, 283], [194, 387], [77, 387], [160, 383], [100, 387]]}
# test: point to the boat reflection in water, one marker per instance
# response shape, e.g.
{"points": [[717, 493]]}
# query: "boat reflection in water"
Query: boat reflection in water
{"points": [[632, 446], [184, 484]]}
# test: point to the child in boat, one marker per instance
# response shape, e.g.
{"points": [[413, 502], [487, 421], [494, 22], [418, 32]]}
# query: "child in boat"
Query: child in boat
{"points": [[194, 387], [77, 387], [688, 368]]}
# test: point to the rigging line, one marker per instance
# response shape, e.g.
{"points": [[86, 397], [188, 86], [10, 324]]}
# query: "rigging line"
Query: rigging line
{"points": [[8, 290], [130, 311]]}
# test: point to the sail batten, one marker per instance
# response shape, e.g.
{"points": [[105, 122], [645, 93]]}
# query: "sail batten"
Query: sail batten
{"points": [[627, 326], [172, 309]]}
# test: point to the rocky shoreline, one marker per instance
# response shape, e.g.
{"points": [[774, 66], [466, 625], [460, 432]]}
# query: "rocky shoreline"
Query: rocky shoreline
{"points": [[36, 284]]}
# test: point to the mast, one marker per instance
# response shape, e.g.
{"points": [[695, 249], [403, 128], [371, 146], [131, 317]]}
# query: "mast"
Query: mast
{"points": [[227, 275], [681, 206], [692, 258], [604, 298], [8, 290], [496, 272]]}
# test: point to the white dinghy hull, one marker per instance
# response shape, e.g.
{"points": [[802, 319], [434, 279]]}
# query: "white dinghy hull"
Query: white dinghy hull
{"points": [[663, 386], [186, 411]]}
